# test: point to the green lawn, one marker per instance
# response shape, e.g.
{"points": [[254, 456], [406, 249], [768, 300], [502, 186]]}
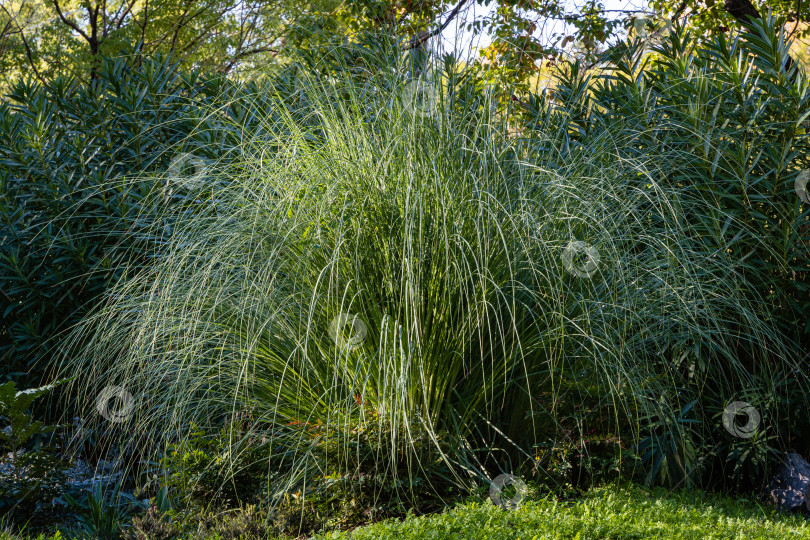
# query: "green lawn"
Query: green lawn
{"points": [[602, 514]]}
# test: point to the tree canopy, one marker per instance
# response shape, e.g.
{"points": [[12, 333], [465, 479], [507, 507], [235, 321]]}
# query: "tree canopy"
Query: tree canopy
{"points": [[47, 38]]}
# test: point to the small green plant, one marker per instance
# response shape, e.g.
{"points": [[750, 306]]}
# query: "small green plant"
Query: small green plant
{"points": [[152, 525], [103, 517], [246, 522], [221, 469], [668, 447], [157, 522], [35, 468], [356, 487]]}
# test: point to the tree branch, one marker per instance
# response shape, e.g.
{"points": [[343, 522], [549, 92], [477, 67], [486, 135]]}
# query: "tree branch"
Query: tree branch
{"points": [[798, 18], [419, 39], [119, 20], [180, 24], [680, 9], [68, 22], [243, 54], [28, 52]]}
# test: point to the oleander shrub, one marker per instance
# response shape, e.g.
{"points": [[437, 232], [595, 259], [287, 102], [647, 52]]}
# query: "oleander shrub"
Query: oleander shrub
{"points": [[720, 130], [728, 120], [70, 223]]}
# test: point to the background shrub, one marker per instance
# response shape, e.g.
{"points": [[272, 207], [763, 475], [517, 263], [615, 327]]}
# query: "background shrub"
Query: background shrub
{"points": [[726, 123], [70, 223]]}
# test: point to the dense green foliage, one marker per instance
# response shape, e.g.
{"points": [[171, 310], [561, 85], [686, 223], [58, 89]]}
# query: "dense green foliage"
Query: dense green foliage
{"points": [[710, 18], [43, 40], [70, 224], [726, 124], [34, 469]]}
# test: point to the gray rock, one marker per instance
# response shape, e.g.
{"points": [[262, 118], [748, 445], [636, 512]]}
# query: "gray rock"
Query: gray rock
{"points": [[790, 485]]}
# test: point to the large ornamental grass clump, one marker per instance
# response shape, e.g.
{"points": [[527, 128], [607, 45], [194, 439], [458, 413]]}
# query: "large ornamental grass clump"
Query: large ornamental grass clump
{"points": [[476, 297]]}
